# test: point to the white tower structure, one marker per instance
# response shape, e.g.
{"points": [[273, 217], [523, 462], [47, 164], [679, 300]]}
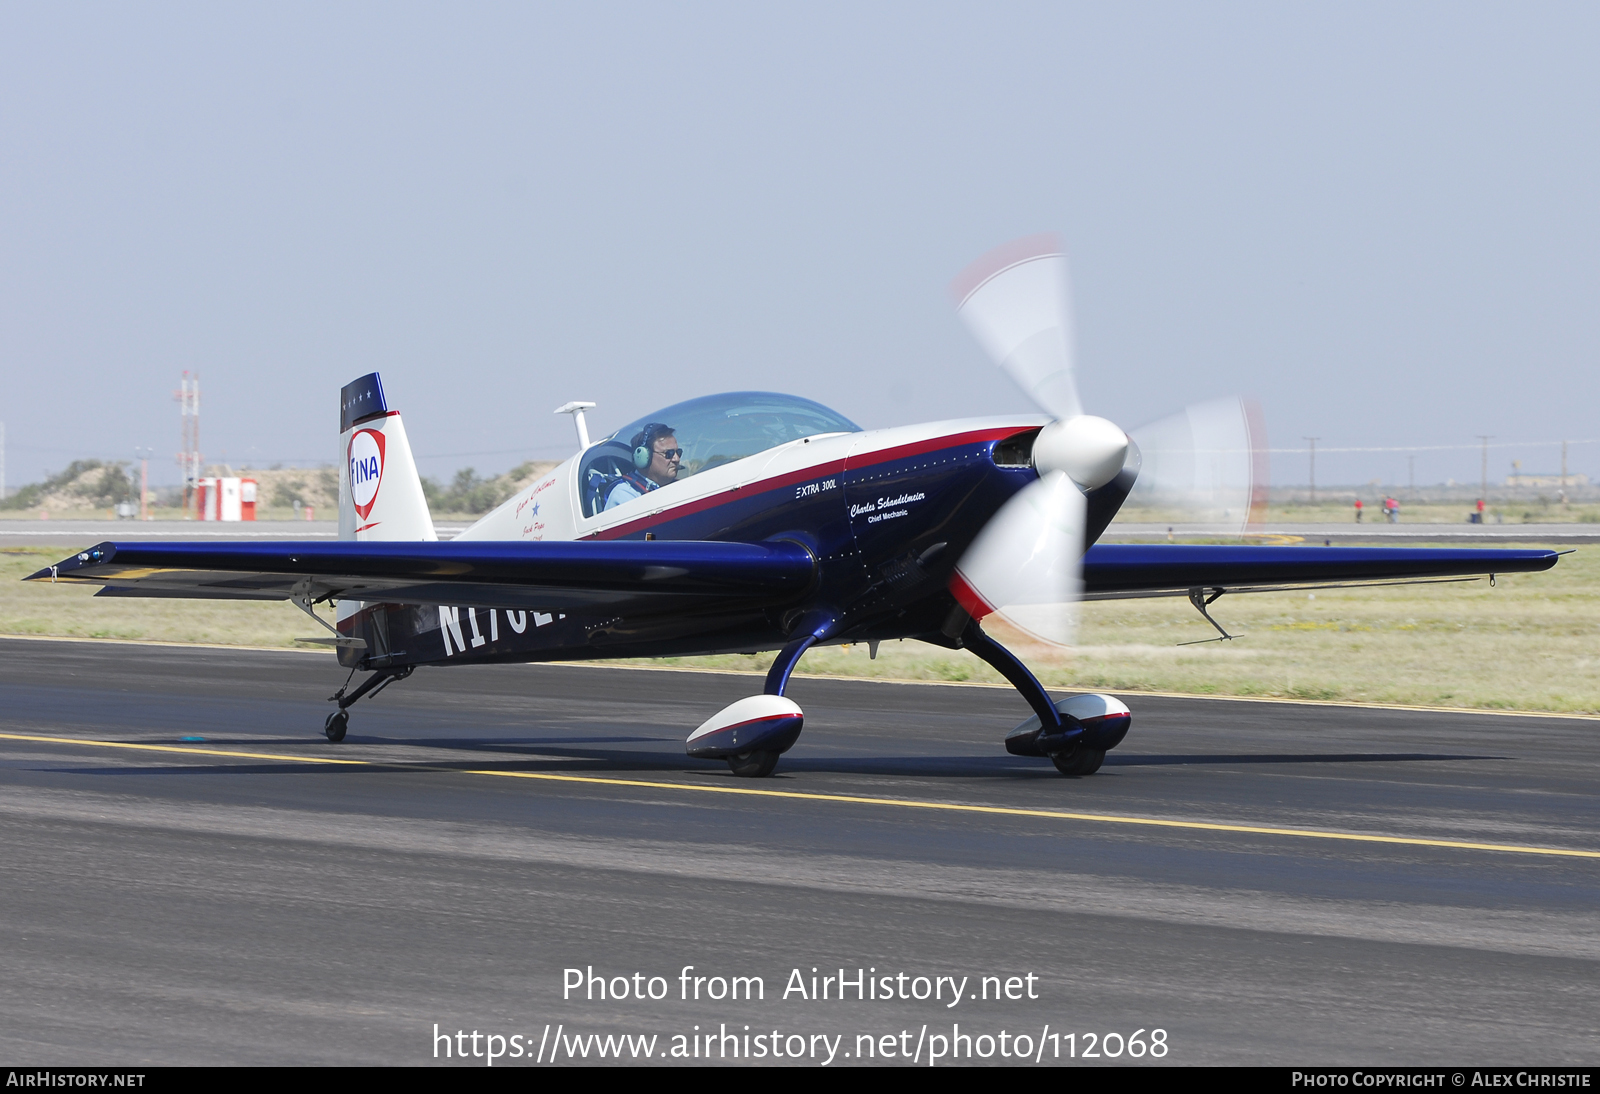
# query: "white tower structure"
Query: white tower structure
{"points": [[188, 396]]}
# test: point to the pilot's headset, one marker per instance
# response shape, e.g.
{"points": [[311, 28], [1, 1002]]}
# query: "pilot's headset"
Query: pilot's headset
{"points": [[644, 443]]}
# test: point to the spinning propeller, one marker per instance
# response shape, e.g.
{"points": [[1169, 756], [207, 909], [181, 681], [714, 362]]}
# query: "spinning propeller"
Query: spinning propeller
{"points": [[1206, 465], [1026, 562]]}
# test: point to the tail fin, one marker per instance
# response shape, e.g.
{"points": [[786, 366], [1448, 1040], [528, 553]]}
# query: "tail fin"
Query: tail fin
{"points": [[380, 493]]}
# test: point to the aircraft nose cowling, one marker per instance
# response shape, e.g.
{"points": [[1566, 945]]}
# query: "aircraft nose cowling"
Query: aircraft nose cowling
{"points": [[1090, 450]]}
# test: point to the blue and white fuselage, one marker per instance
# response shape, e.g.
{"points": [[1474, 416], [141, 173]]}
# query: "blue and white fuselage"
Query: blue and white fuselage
{"points": [[869, 505]]}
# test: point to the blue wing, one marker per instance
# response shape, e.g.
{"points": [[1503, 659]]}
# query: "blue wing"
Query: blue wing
{"points": [[634, 575], [1114, 570], [620, 575]]}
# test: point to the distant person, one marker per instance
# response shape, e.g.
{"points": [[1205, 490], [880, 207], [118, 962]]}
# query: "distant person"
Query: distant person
{"points": [[656, 460], [1393, 507], [1358, 510]]}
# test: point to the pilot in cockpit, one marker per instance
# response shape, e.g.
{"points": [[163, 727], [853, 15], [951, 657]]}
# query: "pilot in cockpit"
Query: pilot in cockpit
{"points": [[656, 459]]}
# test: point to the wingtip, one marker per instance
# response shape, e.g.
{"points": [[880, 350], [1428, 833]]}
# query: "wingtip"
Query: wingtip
{"points": [[91, 556]]}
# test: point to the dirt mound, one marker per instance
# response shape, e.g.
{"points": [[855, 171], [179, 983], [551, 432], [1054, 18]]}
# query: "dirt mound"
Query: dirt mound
{"points": [[84, 484]]}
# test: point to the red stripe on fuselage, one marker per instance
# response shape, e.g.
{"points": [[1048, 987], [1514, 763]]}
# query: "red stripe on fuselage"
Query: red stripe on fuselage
{"points": [[794, 478]]}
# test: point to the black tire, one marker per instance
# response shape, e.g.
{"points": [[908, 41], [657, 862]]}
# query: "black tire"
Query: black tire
{"points": [[337, 723], [1079, 761], [753, 765]]}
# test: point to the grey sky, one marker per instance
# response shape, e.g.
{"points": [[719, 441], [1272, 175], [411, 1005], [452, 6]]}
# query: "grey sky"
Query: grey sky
{"points": [[1380, 220]]}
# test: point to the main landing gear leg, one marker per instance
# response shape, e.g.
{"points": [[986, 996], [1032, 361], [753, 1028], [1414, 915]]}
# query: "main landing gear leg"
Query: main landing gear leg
{"points": [[759, 763], [1007, 665], [1060, 736], [339, 721], [752, 733], [810, 630]]}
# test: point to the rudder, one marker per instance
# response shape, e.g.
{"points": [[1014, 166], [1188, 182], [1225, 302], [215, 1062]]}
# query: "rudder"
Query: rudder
{"points": [[380, 492]]}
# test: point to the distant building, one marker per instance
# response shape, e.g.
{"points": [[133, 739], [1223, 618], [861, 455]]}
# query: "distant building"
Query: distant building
{"points": [[1554, 481]]}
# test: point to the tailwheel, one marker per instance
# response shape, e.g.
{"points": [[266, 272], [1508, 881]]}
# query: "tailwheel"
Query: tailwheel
{"points": [[753, 765], [1079, 761], [337, 723]]}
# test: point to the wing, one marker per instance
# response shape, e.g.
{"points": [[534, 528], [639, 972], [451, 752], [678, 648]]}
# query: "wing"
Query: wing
{"points": [[1113, 571], [623, 575]]}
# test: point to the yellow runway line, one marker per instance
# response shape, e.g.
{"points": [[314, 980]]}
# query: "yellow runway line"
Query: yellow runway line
{"points": [[1051, 814], [183, 748], [853, 799]]}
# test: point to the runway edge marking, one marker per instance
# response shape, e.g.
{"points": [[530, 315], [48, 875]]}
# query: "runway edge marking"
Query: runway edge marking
{"points": [[851, 799]]}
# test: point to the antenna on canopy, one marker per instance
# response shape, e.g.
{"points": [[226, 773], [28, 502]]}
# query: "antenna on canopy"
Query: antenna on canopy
{"points": [[576, 410]]}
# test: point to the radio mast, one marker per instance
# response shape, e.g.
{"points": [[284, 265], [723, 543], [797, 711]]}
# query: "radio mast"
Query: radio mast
{"points": [[188, 396]]}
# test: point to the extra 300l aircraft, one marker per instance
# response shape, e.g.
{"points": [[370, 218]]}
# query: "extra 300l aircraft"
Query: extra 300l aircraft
{"points": [[752, 521]]}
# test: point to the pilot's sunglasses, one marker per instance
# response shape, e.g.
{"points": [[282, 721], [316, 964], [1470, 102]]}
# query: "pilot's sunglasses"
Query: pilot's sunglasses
{"points": [[670, 453]]}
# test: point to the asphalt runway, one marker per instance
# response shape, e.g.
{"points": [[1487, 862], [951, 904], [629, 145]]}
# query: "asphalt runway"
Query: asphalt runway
{"points": [[237, 899]]}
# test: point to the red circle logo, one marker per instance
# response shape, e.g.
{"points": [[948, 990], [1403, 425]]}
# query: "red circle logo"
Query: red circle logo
{"points": [[366, 469]]}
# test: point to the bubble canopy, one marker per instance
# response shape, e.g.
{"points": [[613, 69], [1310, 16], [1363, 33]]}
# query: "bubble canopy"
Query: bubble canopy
{"points": [[718, 429]]}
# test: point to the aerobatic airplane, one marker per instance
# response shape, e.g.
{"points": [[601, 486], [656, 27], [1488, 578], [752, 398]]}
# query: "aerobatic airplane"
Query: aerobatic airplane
{"points": [[750, 522]]}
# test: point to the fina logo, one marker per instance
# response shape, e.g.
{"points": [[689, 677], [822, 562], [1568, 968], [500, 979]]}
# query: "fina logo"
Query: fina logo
{"points": [[366, 469]]}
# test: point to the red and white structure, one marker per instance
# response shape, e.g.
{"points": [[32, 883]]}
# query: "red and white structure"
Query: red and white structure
{"points": [[225, 498]]}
